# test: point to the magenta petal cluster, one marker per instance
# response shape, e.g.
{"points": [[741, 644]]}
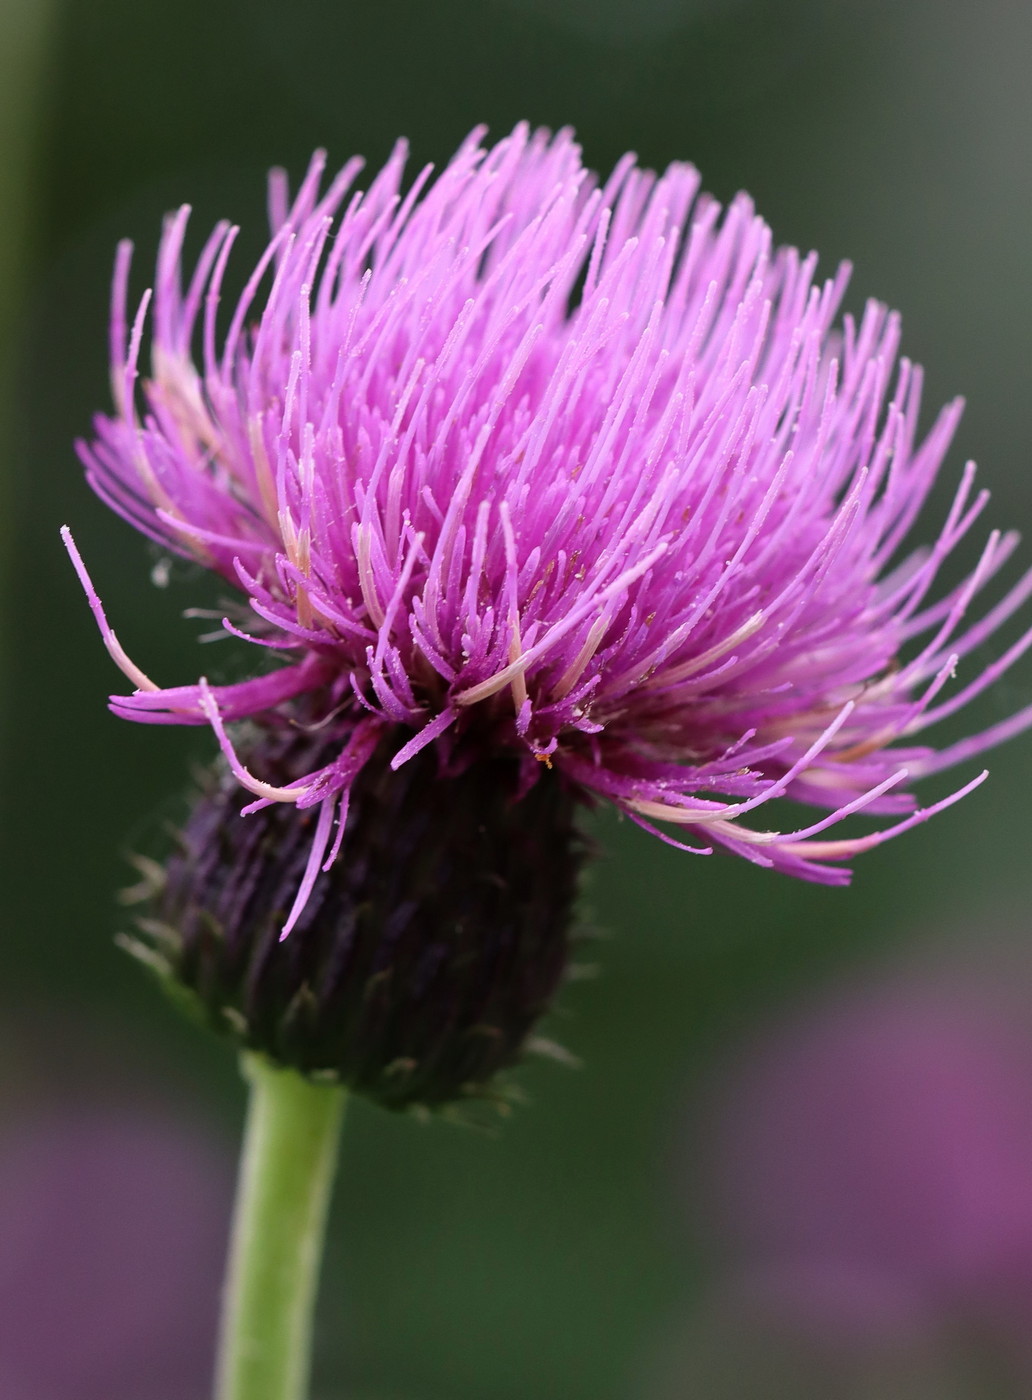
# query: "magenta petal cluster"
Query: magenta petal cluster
{"points": [[587, 471]]}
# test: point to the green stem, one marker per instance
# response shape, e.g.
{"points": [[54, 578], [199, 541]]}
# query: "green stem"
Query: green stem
{"points": [[283, 1192]]}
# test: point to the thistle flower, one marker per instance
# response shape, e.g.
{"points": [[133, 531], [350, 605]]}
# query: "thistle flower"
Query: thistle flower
{"points": [[515, 466]]}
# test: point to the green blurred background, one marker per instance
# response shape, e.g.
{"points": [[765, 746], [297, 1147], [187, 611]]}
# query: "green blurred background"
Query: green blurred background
{"points": [[547, 1260]]}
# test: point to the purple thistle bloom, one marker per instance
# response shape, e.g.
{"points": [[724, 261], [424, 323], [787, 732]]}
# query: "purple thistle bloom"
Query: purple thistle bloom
{"points": [[513, 461]]}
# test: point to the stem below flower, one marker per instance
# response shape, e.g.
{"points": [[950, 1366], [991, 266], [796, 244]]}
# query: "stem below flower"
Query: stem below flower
{"points": [[283, 1193]]}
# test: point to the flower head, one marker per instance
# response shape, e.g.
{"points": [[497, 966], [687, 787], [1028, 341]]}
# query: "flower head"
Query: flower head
{"points": [[517, 462]]}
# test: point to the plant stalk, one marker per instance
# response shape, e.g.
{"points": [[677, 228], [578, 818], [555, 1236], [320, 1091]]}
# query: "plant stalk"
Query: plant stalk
{"points": [[283, 1194]]}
